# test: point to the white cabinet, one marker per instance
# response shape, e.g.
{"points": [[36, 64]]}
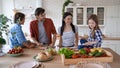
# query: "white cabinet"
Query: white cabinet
{"points": [[82, 13], [112, 44], [112, 21]]}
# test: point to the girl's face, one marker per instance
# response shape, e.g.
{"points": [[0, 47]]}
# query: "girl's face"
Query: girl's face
{"points": [[91, 24], [68, 20], [22, 21]]}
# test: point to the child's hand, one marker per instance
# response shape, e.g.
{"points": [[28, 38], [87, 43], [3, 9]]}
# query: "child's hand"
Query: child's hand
{"points": [[88, 43]]}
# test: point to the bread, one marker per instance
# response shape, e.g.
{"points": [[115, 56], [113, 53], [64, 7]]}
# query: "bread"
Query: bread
{"points": [[43, 56], [48, 54]]}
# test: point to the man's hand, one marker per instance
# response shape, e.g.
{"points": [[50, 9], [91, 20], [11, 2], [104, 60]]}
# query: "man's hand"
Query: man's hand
{"points": [[38, 44], [51, 45]]}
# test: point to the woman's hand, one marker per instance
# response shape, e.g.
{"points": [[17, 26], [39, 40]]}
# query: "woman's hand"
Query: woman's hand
{"points": [[51, 45]]}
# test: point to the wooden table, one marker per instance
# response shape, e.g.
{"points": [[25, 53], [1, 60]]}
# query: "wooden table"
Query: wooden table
{"points": [[7, 61]]}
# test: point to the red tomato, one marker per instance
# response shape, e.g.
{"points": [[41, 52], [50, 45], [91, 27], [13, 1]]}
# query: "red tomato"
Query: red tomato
{"points": [[75, 56], [87, 50], [90, 56], [84, 56]]}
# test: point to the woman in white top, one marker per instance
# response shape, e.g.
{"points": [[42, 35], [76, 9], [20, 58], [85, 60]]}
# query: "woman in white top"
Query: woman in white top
{"points": [[68, 32]]}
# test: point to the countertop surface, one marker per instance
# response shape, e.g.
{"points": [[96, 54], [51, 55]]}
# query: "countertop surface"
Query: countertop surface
{"points": [[111, 38], [6, 61]]}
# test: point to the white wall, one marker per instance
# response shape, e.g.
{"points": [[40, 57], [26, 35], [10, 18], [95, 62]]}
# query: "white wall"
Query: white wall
{"points": [[54, 11], [0, 6], [98, 2], [7, 8]]}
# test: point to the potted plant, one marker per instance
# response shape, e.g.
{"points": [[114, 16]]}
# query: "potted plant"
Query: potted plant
{"points": [[3, 25], [2, 41], [3, 29], [66, 3]]}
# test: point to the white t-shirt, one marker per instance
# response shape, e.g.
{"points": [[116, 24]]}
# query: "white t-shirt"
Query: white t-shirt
{"points": [[68, 38]]}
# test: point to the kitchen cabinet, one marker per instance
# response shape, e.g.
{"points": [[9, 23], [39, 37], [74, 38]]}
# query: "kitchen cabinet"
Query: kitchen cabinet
{"points": [[82, 13], [112, 21], [112, 44]]}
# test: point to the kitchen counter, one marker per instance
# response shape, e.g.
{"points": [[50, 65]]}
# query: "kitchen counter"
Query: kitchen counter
{"points": [[111, 38], [6, 61]]}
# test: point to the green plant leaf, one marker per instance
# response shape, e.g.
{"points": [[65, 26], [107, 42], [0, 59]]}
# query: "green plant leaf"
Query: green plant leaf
{"points": [[3, 23], [66, 3], [2, 40]]}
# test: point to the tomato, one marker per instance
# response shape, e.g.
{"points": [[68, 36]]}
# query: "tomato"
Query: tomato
{"points": [[75, 56], [84, 56], [87, 50], [90, 56]]}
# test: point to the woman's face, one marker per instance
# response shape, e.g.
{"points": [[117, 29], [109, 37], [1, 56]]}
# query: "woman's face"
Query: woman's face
{"points": [[91, 24], [68, 19]]}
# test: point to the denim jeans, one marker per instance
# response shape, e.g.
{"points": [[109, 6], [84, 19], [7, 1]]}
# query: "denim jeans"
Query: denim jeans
{"points": [[82, 41]]}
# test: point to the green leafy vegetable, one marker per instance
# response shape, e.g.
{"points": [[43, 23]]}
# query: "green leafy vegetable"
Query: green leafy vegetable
{"points": [[68, 53], [82, 51]]}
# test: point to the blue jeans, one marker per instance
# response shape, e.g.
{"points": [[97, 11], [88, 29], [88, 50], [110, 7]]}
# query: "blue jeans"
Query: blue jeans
{"points": [[82, 41]]}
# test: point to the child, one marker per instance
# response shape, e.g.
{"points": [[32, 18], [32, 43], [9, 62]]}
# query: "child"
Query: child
{"points": [[17, 37], [95, 36]]}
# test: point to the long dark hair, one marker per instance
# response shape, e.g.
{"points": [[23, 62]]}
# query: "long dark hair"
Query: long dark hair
{"points": [[95, 19], [63, 23], [19, 17]]}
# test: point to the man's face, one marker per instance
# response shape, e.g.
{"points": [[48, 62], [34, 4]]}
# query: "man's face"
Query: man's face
{"points": [[41, 16]]}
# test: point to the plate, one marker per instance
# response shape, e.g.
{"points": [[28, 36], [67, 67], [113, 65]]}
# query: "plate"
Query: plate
{"points": [[27, 64], [15, 55], [93, 65], [2, 54], [49, 59]]}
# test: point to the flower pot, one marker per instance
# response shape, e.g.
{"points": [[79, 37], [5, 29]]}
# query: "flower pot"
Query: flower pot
{"points": [[1, 52]]}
